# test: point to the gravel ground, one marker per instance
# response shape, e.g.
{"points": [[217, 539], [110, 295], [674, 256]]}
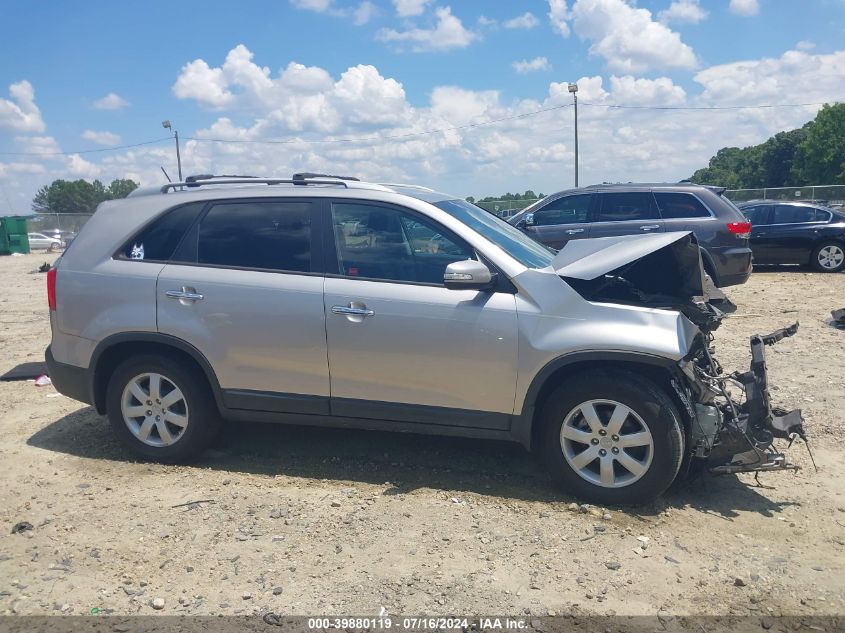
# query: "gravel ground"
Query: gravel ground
{"points": [[320, 521]]}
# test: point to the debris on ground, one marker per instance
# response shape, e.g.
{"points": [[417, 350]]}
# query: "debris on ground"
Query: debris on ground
{"points": [[23, 526], [838, 318]]}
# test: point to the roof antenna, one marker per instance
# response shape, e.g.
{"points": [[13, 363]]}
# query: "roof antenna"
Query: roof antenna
{"points": [[165, 175]]}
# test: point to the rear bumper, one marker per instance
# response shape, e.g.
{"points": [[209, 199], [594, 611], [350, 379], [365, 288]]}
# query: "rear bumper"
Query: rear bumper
{"points": [[733, 265], [69, 380]]}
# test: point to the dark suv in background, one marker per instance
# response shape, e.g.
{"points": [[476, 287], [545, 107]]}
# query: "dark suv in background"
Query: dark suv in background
{"points": [[633, 209]]}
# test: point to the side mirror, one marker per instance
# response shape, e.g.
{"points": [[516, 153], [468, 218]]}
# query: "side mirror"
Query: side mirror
{"points": [[468, 275], [528, 219]]}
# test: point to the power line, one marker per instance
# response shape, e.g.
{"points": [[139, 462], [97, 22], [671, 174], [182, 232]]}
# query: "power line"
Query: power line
{"points": [[88, 151]]}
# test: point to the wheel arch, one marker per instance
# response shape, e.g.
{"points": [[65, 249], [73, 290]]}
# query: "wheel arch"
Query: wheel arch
{"points": [[709, 265], [111, 351], [659, 369]]}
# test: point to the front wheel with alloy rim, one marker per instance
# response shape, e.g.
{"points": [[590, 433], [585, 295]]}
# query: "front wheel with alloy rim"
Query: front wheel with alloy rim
{"points": [[161, 408], [611, 437], [829, 257]]}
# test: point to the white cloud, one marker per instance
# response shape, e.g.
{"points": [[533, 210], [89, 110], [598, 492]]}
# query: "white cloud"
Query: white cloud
{"points": [[319, 6], [365, 12], [111, 101], [529, 66], [448, 33], [559, 16], [82, 168], [525, 21], [38, 144], [409, 8], [805, 45], [20, 112], [628, 38], [683, 12], [745, 7], [654, 92], [484, 21], [102, 137], [794, 76]]}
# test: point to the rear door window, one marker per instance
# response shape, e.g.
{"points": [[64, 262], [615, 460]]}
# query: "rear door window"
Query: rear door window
{"points": [[264, 235], [157, 241], [675, 206], [795, 214], [630, 206], [565, 210]]}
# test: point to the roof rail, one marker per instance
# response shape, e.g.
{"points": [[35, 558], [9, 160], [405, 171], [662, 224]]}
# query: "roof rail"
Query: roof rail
{"points": [[309, 175], [247, 180], [407, 186]]}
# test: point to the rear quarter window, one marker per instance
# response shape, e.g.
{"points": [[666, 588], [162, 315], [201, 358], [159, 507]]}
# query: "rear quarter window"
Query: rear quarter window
{"points": [[159, 239], [674, 206]]}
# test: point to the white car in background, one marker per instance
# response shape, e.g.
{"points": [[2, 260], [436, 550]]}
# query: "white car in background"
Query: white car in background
{"points": [[40, 241]]}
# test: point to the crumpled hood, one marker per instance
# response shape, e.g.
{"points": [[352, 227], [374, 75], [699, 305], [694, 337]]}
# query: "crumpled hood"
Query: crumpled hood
{"points": [[661, 270]]}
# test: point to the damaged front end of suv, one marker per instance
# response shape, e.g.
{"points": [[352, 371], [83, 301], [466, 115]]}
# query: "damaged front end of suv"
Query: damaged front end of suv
{"points": [[732, 422]]}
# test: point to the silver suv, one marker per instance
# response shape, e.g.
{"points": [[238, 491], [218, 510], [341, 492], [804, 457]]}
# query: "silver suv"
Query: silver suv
{"points": [[323, 300]]}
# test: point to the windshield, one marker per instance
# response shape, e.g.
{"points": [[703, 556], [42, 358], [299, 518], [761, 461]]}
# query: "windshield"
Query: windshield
{"points": [[513, 241]]}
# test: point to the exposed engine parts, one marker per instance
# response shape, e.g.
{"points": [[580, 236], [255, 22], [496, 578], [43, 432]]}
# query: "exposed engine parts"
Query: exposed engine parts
{"points": [[737, 434]]}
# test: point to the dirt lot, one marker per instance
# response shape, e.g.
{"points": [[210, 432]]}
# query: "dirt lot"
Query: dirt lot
{"points": [[318, 521]]}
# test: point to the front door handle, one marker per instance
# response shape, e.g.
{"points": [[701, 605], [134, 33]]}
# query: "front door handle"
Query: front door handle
{"points": [[185, 294], [364, 312], [649, 227], [574, 231]]}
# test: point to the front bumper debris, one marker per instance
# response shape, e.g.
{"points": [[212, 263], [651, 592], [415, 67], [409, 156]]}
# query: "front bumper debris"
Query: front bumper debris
{"points": [[736, 434]]}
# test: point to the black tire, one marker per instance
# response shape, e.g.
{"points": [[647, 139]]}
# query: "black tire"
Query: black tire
{"points": [[814, 258], [203, 416], [657, 412]]}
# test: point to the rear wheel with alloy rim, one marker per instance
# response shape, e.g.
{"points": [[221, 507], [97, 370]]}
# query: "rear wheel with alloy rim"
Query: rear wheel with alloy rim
{"points": [[829, 257], [161, 408], [611, 437]]}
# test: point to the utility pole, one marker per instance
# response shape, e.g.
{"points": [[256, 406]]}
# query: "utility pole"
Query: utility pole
{"points": [[573, 88], [167, 126]]}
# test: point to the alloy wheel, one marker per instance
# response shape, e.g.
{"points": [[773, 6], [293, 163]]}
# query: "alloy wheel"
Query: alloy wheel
{"points": [[607, 443], [831, 256], [154, 409]]}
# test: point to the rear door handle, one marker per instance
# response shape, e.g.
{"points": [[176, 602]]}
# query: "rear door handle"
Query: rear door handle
{"points": [[365, 312], [649, 227], [185, 294], [574, 231]]}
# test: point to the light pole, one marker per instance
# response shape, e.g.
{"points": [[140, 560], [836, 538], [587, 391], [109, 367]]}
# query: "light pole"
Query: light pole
{"points": [[573, 88], [166, 125]]}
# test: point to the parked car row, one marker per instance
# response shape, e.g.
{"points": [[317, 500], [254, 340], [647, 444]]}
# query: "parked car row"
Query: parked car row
{"points": [[38, 241], [608, 210]]}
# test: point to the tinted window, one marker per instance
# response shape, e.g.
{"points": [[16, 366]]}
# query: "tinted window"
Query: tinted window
{"points": [[794, 214], [383, 243], [758, 215], [680, 205], [566, 210], [158, 240], [510, 239], [271, 235], [619, 207]]}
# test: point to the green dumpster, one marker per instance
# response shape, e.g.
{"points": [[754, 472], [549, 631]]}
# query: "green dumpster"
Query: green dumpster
{"points": [[13, 235]]}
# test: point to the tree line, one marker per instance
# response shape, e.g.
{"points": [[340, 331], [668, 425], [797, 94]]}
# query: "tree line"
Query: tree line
{"points": [[811, 155], [528, 195], [79, 196]]}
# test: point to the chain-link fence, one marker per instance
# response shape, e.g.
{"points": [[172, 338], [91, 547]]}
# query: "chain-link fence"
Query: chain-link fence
{"points": [[65, 225], [824, 194], [506, 208]]}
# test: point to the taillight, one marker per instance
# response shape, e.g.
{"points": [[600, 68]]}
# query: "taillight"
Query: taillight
{"points": [[740, 229], [51, 288]]}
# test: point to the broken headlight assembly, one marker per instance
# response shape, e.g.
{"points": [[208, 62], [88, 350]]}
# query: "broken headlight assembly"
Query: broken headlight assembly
{"points": [[734, 424]]}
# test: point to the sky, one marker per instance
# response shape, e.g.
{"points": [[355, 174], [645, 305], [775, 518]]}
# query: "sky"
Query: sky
{"points": [[465, 96]]}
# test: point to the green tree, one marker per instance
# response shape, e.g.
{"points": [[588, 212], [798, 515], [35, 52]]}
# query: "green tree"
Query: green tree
{"points": [[470, 199], [820, 157], [78, 196]]}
